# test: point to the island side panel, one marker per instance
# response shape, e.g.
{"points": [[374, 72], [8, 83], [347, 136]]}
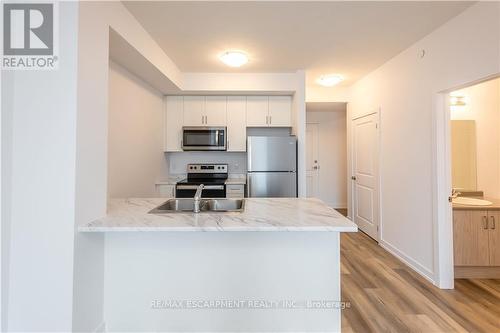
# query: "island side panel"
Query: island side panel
{"points": [[148, 269]]}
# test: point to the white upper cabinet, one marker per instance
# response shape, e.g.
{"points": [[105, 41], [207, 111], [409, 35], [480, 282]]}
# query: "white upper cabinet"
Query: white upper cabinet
{"points": [[235, 112], [215, 111], [194, 111], [173, 121], [236, 123], [280, 108], [272, 111], [257, 111]]}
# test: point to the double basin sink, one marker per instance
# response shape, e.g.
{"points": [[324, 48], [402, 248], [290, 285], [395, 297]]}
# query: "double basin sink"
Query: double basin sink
{"points": [[206, 206]]}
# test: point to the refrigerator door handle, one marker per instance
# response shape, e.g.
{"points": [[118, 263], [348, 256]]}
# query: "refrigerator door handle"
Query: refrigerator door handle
{"points": [[249, 185], [249, 155]]}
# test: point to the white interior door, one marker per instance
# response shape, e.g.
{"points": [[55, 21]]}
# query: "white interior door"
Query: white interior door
{"points": [[365, 179], [312, 160]]}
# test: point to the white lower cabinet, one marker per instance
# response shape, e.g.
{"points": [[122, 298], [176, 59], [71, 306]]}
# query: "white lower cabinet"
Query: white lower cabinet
{"points": [[165, 190], [235, 191]]}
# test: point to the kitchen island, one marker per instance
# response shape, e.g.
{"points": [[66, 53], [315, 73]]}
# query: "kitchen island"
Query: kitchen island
{"points": [[273, 267]]}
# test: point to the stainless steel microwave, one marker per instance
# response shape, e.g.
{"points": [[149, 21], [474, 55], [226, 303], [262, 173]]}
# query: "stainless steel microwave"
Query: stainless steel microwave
{"points": [[204, 138]]}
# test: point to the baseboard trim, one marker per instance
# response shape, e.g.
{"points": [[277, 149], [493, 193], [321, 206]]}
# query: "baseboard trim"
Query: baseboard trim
{"points": [[425, 272], [477, 272]]}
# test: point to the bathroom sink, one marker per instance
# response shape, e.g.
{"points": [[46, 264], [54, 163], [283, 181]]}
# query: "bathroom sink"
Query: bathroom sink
{"points": [[471, 201], [206, 206]]}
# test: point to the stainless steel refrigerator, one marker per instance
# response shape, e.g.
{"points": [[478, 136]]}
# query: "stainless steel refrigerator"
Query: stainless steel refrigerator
{"points": [[271, 166]]}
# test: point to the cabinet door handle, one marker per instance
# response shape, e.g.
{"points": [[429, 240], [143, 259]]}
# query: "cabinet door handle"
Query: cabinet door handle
{"points": [[267, 120], [485, 222], [270, 120], [493, 222], [206, 120]]}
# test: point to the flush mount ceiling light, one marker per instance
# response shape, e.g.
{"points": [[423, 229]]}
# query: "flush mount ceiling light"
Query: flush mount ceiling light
{"points": [[234, 58], [330, 80]]}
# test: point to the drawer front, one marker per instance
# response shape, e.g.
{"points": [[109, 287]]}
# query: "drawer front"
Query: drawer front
{"points": [[235, 191], [235, 195], [235, 188]]}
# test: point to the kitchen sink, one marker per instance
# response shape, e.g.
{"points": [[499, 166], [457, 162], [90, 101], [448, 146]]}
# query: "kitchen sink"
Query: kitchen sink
{"points": [[206, 206]]}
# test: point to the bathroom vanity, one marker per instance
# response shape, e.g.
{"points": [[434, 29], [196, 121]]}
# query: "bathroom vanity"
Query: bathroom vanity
{"points": [[476, 240]]}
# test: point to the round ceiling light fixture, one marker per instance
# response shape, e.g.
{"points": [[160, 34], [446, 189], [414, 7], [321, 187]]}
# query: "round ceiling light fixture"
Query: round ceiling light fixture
{"points": [[330, 80], [234, 58]]}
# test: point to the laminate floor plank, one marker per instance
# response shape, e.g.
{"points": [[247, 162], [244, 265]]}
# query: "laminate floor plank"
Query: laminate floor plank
{"points": [[387, 296]]}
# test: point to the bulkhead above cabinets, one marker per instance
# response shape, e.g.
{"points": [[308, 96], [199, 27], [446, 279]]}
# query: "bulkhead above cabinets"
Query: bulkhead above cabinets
{"points": [[234, 112]]}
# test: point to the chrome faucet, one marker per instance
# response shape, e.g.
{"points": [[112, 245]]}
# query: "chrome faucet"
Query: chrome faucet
{"points": [[197, 198]]}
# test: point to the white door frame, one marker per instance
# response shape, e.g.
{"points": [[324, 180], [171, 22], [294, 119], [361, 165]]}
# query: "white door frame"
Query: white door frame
{"points": [[350, 153], [317, 133], [442, 210]]}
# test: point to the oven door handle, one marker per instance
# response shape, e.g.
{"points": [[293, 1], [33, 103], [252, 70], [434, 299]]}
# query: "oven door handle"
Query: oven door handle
{"points": [[194, 187]]}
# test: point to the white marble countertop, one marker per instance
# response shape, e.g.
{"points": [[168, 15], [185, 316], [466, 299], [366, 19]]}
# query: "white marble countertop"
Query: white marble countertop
{"points": [[260, 214]]}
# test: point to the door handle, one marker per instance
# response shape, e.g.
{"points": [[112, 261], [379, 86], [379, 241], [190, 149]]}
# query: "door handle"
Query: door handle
{"points": [[485, 222], [353, 177], [315, 167], [492, 222], [270, 120]]}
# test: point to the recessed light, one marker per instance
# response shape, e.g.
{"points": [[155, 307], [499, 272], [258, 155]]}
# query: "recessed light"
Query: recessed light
{"points": [[330, 80], [234, 58]]}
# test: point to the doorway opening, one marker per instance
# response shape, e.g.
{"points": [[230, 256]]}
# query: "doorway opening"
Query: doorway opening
{"points": [[474, 166], [326, 153]]}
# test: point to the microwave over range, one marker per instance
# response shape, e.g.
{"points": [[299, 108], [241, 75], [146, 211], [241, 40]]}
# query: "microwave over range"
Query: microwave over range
{"points": [[204, 138]]}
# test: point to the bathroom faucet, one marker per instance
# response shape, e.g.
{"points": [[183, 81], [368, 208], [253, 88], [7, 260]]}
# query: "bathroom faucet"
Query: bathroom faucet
{"points": [[454, 194], [197, 198]]}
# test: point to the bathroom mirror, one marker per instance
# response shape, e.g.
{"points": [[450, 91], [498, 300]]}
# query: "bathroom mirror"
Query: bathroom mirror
{"points": [[463, 155]]}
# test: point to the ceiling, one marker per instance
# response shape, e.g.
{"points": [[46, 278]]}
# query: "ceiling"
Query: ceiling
{"points": [[349, 38]]}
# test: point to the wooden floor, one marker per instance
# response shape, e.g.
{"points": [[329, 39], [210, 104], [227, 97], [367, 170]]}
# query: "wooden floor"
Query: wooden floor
{"points": [[387, 296]]}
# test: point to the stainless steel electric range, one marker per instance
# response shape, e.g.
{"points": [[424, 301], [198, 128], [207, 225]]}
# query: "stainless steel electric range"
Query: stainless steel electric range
{"points": [[213, 176]]}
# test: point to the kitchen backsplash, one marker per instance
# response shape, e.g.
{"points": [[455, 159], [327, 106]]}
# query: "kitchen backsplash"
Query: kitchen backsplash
{"points": [[237, 162]]}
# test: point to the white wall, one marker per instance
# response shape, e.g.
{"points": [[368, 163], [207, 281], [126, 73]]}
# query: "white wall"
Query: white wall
{"points": [[317, 93], [463, 50], [95, 21], [7, 82], [41, 141], [135, 136], [483, 106], [332, 139]]}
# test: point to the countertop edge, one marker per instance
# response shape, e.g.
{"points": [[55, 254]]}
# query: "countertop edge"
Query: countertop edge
{"points": [[215, 229]]}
